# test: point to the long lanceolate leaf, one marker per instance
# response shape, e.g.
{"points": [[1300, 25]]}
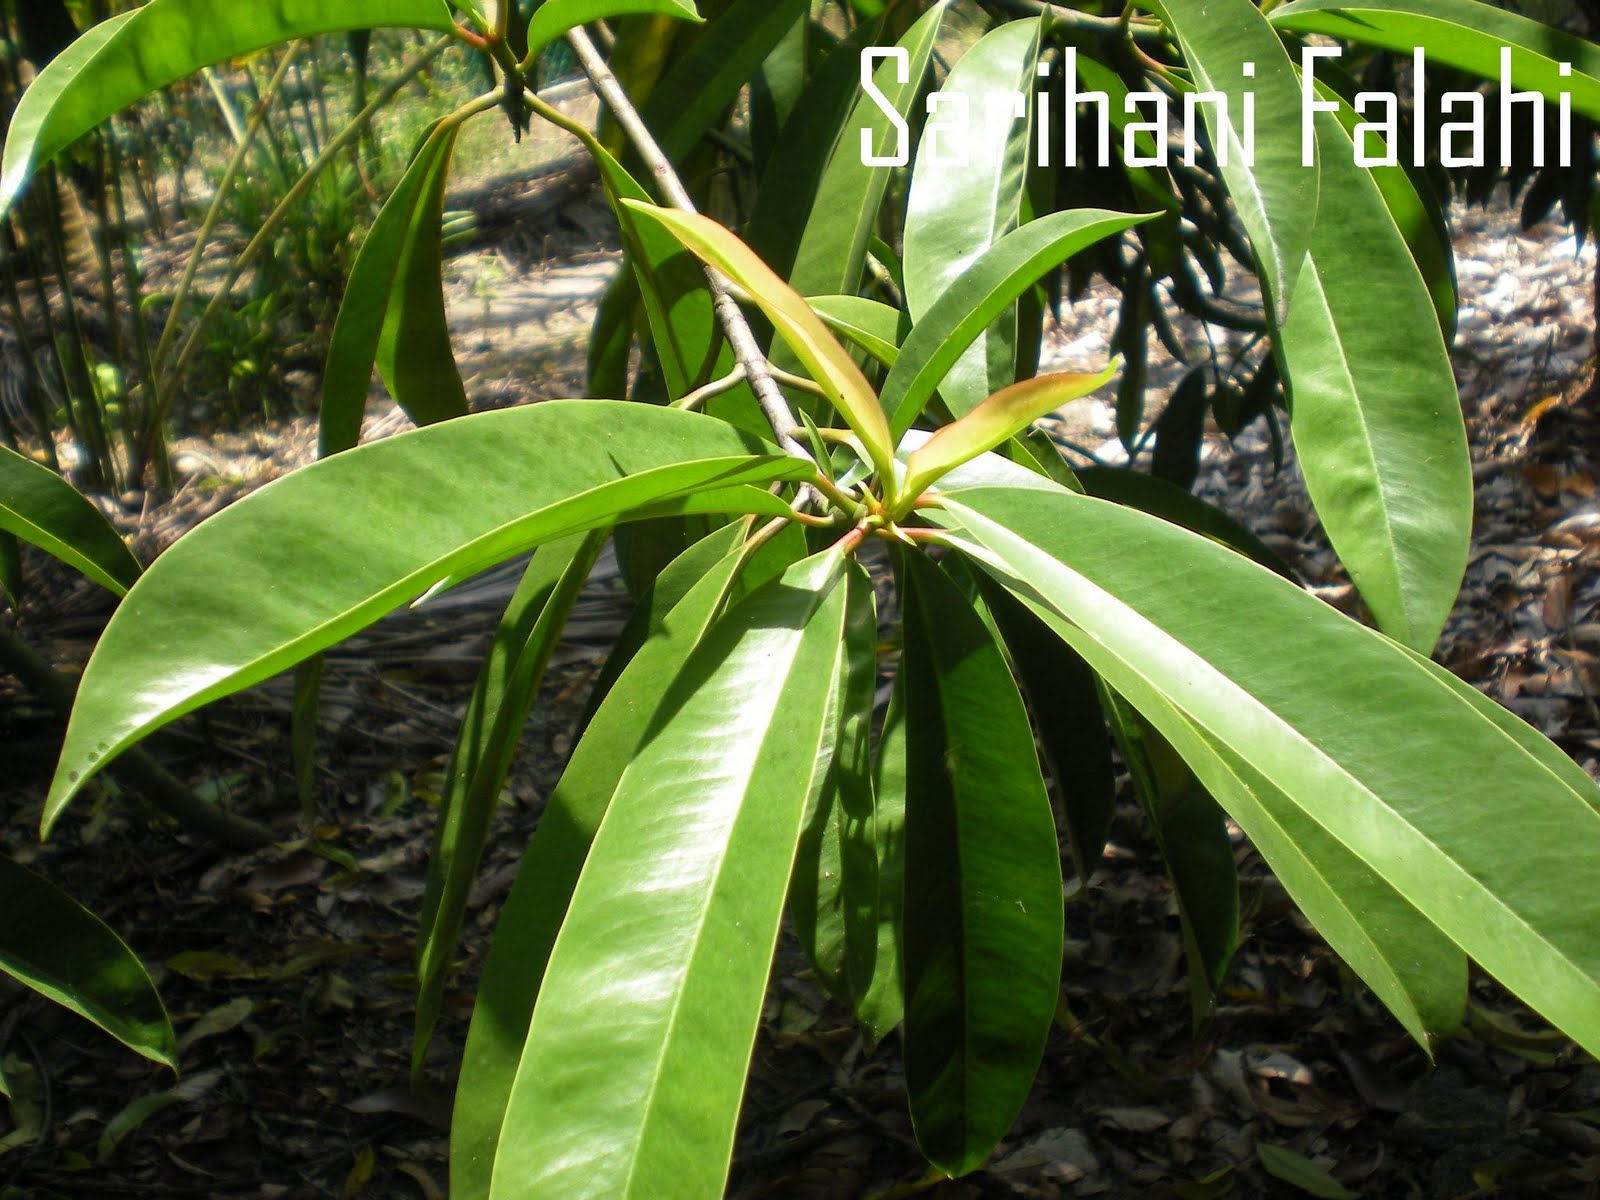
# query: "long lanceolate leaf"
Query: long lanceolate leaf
{"points": [[1400, 768], [393, 311], [41, 508], [490, 731], [1376, 420], [61, 950], [987, 288], [319, 554], [1464, 34], [1276, 197], [533, 912], [636, 1057], [967, 192], [983, 911], [139, 52]]}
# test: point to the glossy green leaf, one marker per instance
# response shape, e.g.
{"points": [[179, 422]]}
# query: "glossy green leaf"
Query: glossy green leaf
{"points": [[393, 293], [1274, 195], [1464, 34], [491, 729], [136, 53], [882, 1007], [967, 192], [829, 363], [702, 83], [988, 287], [60, 949], [875, 327], [834, 899], [636, 1057], [983, 909], [46, 511], [315, 556], [1000, 417], [537, 905], [1065, 702], [1426, 812], [1172, 503], [831, 250], [776, 88], [554, 17], [1373, 406]]}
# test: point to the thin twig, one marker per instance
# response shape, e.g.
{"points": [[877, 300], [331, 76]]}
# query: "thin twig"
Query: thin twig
{"points": [[715, 388], [741, 338]]}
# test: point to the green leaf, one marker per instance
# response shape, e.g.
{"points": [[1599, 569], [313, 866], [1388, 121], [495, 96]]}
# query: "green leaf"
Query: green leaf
{"points": [[983, 910], [553, 18], [882, 1006], [392, 314], [1373, 406], [136, 53], [1274, 195], [60, 949], [875, 327], [1000, 417], [637, 1053], [834, 898], [703, 82], [1299, 1171], [11, 567], [1065, 702], [315, 556], [491, 729], [537, 905], [988, 287], [1426, 812], [829, 363], [1171, 503], [967, 192], [46, 511], [1463, 34]]}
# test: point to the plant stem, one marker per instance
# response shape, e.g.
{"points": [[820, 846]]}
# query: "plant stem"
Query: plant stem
{"points": [[147, 776], [741, 338]]}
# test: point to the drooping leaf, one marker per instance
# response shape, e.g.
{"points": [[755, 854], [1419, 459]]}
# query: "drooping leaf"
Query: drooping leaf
{"points": [[1425, 812], [967, 192], [1004, 414], [392, 297], [491, 729], [46, 511], [1274, 195], [989, 285], [537, 905], [834, 898], [315, 556], [636, 1057], [1373, 406], [983, 910], [1464, 34], [11, 567], [829, 363], [60, 949], [882, 1007], [1180, 431], [554, 17], [123, 59]]}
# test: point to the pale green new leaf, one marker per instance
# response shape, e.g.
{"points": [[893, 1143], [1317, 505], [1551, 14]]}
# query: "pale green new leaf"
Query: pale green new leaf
{"points": [[988, 287], [315, 556], [1377, 423], [967, 191], [1464, 34], [1275, 196], [634, 1069], [60, 949], [136, 53], [1406, 773], [43, 509]]}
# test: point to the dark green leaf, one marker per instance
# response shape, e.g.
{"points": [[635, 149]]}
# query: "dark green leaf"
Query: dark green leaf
{"points": [[46, 511], [554, 17]]}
